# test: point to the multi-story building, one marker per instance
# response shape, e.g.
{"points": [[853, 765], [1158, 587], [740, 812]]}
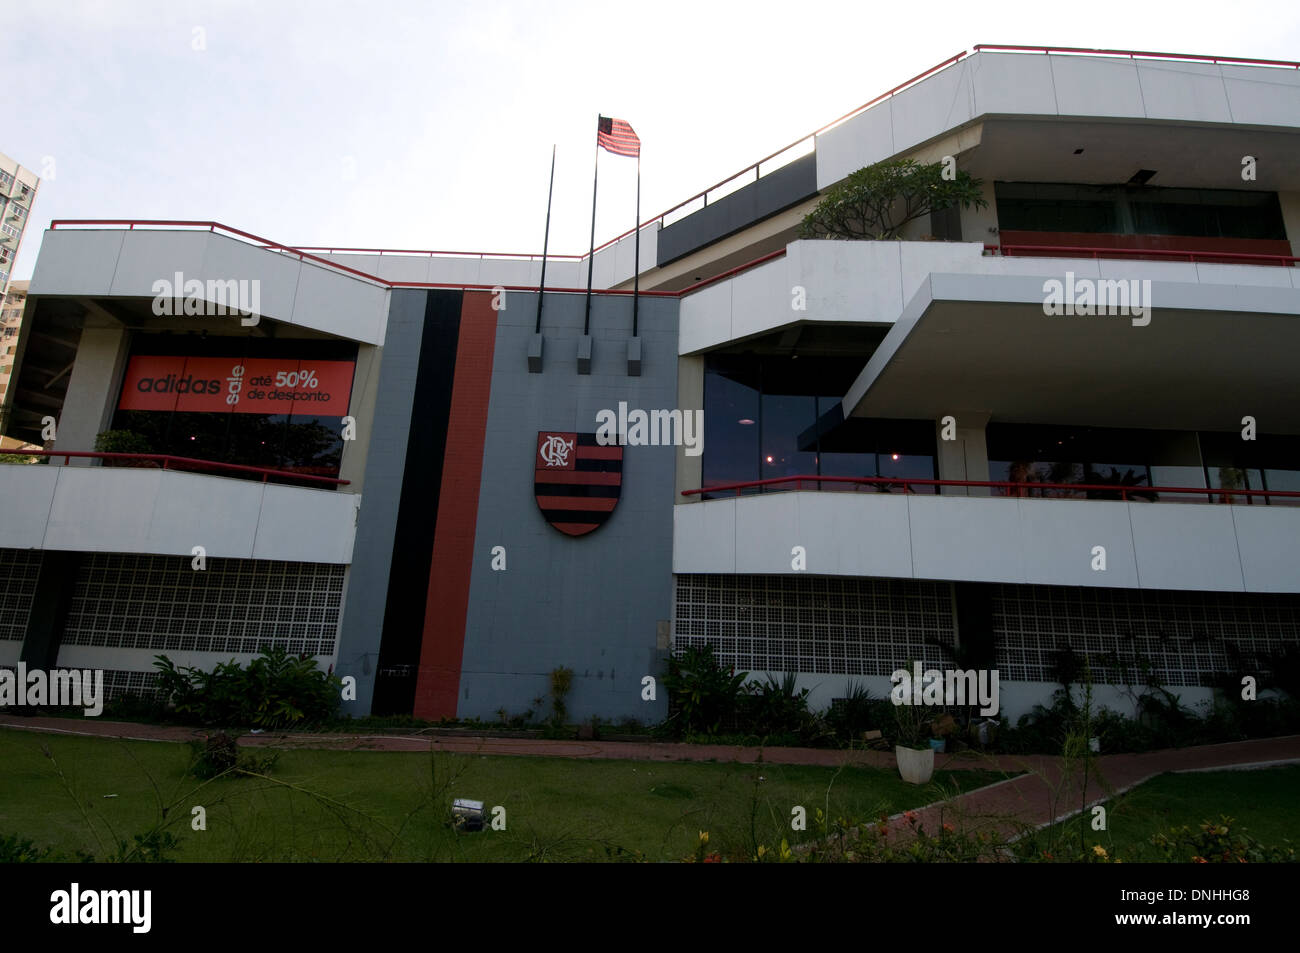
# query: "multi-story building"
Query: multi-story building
{"points": [[11, 319], [909, 451], [17, 192]]}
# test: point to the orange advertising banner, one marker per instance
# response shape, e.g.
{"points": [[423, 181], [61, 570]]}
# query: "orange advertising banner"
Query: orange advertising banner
{"points": [[218, 385]]}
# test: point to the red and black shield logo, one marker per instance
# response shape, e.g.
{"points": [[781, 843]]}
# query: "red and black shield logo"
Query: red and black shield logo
{"points": [[576, 480]]}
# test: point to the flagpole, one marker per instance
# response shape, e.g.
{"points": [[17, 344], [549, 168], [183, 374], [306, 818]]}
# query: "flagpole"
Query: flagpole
{"points": [[546, 239], [591, 256], [636, 226]]}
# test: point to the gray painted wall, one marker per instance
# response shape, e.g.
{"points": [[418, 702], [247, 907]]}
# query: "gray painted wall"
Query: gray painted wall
{"points": [[367, 587], [590, 603]]}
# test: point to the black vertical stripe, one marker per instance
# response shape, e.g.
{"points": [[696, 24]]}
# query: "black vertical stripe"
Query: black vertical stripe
{"points": [[417, 513]]}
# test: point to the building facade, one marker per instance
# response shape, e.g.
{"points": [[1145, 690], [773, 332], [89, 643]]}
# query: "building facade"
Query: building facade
{"points": [[933, 448], [17, 193], [12, 305]]}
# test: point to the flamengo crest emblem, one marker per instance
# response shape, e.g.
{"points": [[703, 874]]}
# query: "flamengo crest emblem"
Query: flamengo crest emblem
{"points": [[576, 481]]}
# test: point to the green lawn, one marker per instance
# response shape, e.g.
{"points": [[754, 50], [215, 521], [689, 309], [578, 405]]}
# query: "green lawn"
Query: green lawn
{"points": [[334, 805], [1265, 804]]}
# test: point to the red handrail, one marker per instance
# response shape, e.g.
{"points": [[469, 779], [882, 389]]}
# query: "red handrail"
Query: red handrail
{"points": [[908, 482], [213, 226], [376, 279], [530, 256], [1133, 54], [732, 272], [1078, 251], [166, 459]]}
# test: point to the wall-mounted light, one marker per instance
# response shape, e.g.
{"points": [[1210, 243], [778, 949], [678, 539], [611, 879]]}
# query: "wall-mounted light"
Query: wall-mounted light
{"points": [[745, 422]]}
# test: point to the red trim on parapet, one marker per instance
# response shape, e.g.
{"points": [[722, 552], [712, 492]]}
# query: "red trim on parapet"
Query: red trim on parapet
{"points": [[437, 686], [1013, 489], [167, 461]]}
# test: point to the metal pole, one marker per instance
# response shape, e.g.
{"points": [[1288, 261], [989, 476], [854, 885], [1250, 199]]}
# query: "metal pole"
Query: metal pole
{"points": [[537, 329], [636, 266], [591, 255]]}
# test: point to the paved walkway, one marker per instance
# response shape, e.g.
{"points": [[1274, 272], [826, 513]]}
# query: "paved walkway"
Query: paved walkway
{"points": [[1038, 796]]}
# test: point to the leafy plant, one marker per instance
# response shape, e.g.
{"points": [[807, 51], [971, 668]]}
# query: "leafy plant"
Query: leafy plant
{"points": [[875, 203], [276, 690], [121, 441], [851, 716], [561, 682], [702, 695], [1217, 843], [153, 847], [16, 850], [1129, 480], [216, 755]]}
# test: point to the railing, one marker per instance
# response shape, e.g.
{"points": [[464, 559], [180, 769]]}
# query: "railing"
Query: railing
{"points": [[304, 255], [1135, 54], [1020, 489], [756, 168], [213, 227], [422, 252], [1085, 251], [169, 462]]}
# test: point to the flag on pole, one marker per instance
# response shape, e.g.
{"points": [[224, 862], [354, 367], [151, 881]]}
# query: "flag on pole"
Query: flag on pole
{"points": [[616, 136]]}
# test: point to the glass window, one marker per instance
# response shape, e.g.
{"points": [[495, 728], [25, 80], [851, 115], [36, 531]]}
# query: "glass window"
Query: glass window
{"points": [[783, 418], [1288, 480], [731, 413]]}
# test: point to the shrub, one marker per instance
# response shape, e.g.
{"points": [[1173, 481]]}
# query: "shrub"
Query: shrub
{"points": [[275, 691], [216, 755], [16, 850], [561, 682], [121, 441], [702, 696], [774, 708], [1217, 843]]}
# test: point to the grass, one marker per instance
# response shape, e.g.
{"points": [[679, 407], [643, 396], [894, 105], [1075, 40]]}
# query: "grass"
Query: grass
{"points": [[369, 806], [1263, 801]]}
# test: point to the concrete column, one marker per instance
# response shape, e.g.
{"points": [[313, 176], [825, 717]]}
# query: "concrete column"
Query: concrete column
{"points": [[92, 388], [365, 394], [1290, 202], [50, 604]]}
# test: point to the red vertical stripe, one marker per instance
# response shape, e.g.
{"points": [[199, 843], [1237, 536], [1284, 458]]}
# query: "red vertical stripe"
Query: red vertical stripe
{"points": [[442, 648]]}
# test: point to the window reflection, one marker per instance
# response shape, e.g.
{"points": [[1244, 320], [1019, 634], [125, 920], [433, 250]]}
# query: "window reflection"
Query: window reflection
{"points": [[771, 417]]}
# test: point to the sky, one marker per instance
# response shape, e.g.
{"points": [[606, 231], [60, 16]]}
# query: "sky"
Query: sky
{"points": [[429, 125]]}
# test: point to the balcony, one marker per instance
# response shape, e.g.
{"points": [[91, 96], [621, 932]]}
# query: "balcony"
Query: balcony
{"points": [[170, 511], [1227, 547]]}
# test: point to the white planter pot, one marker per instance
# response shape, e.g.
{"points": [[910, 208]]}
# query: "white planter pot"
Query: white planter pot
{"points": [[915, 767]]}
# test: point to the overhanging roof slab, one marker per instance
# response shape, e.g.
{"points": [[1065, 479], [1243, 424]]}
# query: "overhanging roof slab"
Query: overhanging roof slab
{"points": [[1208, 356]]}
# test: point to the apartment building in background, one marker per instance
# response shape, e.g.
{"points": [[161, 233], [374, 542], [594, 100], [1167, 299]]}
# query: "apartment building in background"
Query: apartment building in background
{"points": [[907, 452], [17, 193], [12, 305]]}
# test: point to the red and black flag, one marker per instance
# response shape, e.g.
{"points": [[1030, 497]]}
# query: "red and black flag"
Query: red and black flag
{"points": [[616, 136], [576, 480]]}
